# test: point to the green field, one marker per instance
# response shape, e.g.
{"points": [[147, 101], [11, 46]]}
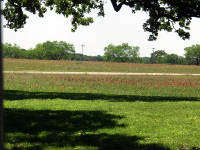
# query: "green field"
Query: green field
{"points": [[82, 112], [87, 66]]}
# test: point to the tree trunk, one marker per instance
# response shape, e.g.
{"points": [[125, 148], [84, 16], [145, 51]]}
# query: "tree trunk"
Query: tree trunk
{"points": [[1, 89]]}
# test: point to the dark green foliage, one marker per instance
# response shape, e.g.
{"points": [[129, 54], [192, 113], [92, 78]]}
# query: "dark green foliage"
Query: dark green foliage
{"points": [[53, 50], [48, 50], [145, 60], [81, 57], [192, 54], [175, 59], [164, 14], [14, 51], [15, 11], [158, 56], [161, 57], [168, 15], [121, 53]]}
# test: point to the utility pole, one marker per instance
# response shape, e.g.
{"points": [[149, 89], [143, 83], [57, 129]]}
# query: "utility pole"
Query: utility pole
{"points": [[82, 46], [1, 87], [152, 57]]}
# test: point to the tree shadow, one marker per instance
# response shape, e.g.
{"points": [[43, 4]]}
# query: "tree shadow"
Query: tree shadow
{"points": [[56, 128], [118, 142], [21, 95]]}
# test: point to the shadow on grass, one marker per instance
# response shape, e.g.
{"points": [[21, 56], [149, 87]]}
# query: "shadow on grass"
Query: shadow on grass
{"points": [[20, 95], [39, 129]]}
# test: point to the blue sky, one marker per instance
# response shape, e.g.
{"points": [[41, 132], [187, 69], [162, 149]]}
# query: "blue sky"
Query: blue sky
{"points": [[115, 28]]}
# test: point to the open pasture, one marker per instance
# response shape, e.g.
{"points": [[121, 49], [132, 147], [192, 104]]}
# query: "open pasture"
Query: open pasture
{"points": [[78, 66], [79, 112]]}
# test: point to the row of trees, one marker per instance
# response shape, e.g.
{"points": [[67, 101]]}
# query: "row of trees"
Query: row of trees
{"points": [[113, 53], [192, 56], [161, 57], [126, 53], [48, 50]]}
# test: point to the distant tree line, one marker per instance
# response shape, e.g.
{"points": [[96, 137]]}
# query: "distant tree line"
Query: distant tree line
{"points": [[161, 57], [126, 53], [112, 53], [48, 50]]}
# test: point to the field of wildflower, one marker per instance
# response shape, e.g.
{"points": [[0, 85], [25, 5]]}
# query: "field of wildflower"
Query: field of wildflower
{"points": [[87, 66], [85, 112]]}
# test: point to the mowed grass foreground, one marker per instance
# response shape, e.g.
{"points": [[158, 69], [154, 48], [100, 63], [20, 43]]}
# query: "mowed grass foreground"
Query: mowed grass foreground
{"points": [[65, 112], [84, 66]]}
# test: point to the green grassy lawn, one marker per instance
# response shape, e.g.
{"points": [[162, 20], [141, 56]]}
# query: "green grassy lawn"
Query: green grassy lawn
{"points": [[78, 66], [65, 112]]}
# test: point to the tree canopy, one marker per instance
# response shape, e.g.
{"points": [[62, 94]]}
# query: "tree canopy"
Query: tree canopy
{"points": [[48, 50], [13, 51], [121, 53], [53, 50], [158, 56], [161, 57], [168, 15], [60, 50], [192, 54]]}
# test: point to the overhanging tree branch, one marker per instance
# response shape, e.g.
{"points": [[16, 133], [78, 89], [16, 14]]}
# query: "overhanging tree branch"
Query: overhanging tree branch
{"points": [[162, 13]]}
